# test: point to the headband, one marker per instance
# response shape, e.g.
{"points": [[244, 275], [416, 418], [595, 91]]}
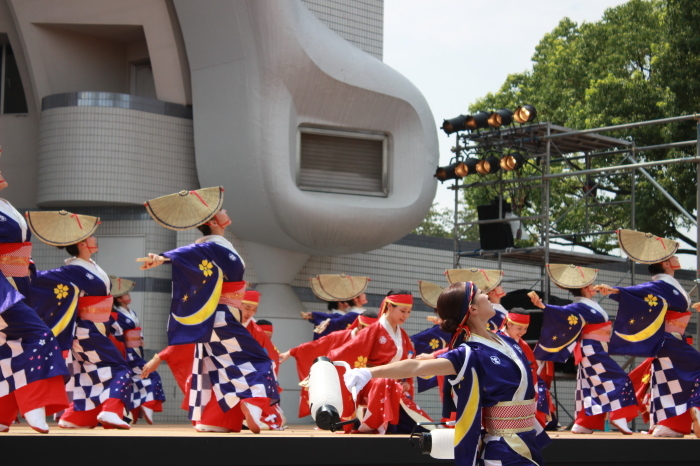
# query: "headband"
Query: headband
{"points": [[518, 319], [403, 300], [251, 297], [266, 328], [462, 331]]}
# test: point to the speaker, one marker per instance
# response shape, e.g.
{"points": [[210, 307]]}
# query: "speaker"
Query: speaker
{"points": [[494, 235]]}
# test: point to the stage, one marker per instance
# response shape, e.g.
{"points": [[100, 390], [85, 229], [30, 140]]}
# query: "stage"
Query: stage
{"points": [[302, 445]]}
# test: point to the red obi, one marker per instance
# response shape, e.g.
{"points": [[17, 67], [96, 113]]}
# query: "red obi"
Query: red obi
{"points": [[676, 321], [600, 332], [133, 338], [15, 259], [95, 308], [232, 294]]}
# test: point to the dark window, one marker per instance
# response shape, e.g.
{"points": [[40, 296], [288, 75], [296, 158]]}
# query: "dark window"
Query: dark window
{"points": [[12, 97]]}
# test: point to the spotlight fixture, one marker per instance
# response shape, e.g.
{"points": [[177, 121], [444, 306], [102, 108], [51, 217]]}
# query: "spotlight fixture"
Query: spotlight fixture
{"points": [[502, 117], [488, 165], [525, 114], [456, 170], [512, 161], [454, 124], [478, 120]]}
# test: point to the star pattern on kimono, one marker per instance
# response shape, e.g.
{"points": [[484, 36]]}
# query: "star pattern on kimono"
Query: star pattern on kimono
{"points": [[184, 298], [632, 321]]}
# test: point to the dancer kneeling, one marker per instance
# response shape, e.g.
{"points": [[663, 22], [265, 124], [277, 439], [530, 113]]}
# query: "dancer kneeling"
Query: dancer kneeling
{"points": [[492, 384]]}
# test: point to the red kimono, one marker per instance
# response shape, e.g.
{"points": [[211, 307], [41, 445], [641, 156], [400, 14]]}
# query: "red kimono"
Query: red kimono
{"points": [[381, 398], [180, 359]]}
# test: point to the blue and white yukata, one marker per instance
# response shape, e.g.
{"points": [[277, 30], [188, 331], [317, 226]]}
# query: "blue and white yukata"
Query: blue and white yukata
{"points": [[28, 350], [601, 385], [493, 387], [146, 391], [100, 372], [229, 364], [496, 322], [645, 327]]}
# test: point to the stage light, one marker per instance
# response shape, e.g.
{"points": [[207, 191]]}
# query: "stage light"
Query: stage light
{"points": [[502, 117], [478, 120], [456, 170], [512, 161], [454, 124], [525, 114], [487, 166]]}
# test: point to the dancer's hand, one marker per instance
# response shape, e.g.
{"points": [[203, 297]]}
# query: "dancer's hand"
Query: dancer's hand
{"points": [[284, 356], [423, 356], [606, 290], [536, 300], [357, 378], [434, 319], [696, 306], [305, 315], [150, 366], [153, 260]]}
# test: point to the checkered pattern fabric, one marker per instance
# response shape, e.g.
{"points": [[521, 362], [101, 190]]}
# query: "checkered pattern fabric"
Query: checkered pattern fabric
{"points": [[668, 398], [601, 385], [99, 370], [225, 368]]}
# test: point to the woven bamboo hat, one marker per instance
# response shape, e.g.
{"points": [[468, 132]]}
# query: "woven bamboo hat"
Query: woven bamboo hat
{"points": [[121, 286], [338, 287], [486, 280], [186, 209], [429, 293], [571, 276], [646, 248], [61, 228]]}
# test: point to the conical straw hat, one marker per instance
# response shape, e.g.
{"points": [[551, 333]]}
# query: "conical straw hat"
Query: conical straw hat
{"points": [[571, 276], [342, 287], [121, 286], [486, 280], [429, 292], [318, 291], [61, 228], [186, 209], [646, 248]]}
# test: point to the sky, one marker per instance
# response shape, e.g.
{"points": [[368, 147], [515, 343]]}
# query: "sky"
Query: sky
{"points": [[456, 51]]}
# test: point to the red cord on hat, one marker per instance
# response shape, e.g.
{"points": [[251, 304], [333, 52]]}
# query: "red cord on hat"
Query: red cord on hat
{"points": [[199, 197], [76, 217], [662, 242]]}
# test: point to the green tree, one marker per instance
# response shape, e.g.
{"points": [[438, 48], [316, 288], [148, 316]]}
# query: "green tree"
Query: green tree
{"points": [[640, 62]]}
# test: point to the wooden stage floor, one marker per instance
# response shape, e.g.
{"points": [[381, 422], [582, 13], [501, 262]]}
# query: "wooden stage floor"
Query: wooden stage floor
{"points": [[175, 444]]}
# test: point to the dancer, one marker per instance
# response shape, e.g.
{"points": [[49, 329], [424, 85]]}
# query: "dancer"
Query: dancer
{"points": [[147, 392], [489, 281], [651, 320], [492, 387], [231, 370], [32, 369], [515, 326], [602, 387], [345, 296], [75, 302], [389, 403]]}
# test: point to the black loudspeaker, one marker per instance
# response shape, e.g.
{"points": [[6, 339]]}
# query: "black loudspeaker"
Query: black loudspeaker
{"points": [[494, 235]]}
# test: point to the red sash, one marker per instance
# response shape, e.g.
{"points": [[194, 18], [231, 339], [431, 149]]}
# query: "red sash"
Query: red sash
{"points": [[15, 259], [600, 332], [133, 338], [676, 321], [95, 308], [232, 294]]}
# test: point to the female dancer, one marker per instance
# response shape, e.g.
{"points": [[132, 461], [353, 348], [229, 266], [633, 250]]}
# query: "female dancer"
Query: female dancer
{"points": [[651, 320], [231, 370], [147, 395], [602, 387], [75, 302], [31, 365], [493, 383], [389, 403], [489, 281]]}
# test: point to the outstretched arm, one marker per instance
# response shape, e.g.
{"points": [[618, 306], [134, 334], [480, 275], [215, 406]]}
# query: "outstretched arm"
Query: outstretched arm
{"points": [[153, 260], [399, 370], [606, 290]]}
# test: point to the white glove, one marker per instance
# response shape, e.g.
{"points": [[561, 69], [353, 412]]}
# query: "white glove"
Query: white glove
{"points": [[357, 378]]}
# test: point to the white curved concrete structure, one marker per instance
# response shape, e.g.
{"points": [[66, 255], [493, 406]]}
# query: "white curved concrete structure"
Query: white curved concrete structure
{"points": [[278, 67]]}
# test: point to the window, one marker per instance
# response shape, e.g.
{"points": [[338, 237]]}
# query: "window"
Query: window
{"points": [[12, 98], [335, 161]]}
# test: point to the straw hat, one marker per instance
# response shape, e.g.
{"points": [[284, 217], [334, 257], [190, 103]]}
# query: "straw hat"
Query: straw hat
{"points": [[486, 280], [646, 248], [186, 209], [338, 287], [121, 286], [571, 276], [429, 293], [61, 228]]}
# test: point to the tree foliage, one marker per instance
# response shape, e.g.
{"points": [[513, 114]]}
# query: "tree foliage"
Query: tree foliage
{"points": [[640, 62]]}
